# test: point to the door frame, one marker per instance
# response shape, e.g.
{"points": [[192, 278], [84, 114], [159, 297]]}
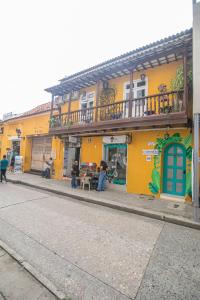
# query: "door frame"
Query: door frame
{"points": [[120, 145], [165, 164]]}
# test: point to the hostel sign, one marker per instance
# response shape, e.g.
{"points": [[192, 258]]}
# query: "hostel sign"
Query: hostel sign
{"points": [[117, 139], [150, 152]]}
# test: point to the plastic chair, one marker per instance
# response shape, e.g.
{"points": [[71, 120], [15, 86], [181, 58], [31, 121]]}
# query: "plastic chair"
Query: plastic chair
{"points": [[85, 181]]}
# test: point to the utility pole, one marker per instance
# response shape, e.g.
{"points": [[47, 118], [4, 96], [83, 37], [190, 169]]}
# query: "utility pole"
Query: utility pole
{"points": [[196, 105]]}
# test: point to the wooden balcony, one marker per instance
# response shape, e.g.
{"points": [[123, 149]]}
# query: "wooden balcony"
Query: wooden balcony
{"points": [[159, 110]]}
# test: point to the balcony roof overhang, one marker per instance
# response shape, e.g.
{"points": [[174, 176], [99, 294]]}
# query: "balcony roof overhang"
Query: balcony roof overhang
{"points": [[164, 51]]}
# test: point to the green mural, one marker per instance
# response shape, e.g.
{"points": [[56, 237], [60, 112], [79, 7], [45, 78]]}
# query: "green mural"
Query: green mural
{"points": [[161, 143]]}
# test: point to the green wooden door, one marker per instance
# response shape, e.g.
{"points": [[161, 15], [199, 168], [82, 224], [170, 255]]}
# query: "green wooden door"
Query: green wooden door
{"points": [[174, 173], [116, 157]]}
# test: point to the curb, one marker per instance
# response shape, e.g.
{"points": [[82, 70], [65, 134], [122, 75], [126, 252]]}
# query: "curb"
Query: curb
{"points": [[37, 275], [138, 211]]}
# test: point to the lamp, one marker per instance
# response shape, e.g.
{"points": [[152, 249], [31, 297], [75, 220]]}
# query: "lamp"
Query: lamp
{"points": [[112, 139]]}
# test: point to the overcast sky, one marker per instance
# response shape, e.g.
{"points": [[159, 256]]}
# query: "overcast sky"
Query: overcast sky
{"points": [[44, 40]]}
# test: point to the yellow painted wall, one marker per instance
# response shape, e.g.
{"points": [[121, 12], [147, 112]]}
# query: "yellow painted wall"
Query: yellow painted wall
{"points": [[58, 150], [92, 150], [27, 149], [139, 170]]}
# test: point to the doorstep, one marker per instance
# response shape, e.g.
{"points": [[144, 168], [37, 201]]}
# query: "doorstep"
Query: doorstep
{"points": [[172, 197]]}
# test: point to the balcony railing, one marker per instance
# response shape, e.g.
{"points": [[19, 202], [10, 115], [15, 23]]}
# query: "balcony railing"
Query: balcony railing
{"points": [[157, 105]]}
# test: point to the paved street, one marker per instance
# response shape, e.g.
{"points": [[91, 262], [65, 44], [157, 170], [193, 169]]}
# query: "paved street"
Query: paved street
{"points": [[16, 283], [94, 252]]}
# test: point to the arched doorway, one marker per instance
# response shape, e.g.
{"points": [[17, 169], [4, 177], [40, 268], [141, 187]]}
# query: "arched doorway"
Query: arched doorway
{"points": [[174, 170]]}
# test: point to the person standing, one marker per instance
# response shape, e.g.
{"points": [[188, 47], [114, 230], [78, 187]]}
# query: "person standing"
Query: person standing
{"points": [[12, 164], [4, 165], [102, 176], [48, 168], [74, 174]]}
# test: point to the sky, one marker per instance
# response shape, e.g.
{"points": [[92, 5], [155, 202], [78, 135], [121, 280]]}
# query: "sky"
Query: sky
{"points": [[41, 41]]}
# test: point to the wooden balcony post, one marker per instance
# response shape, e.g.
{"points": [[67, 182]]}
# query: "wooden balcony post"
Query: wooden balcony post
{"points": [[185, 71], [51, 112], [97, 100], [130, 95], [52, 104], [69, 107]]}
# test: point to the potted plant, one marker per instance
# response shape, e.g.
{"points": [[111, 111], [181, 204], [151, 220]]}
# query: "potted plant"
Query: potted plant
{"points": [[177, 84]]}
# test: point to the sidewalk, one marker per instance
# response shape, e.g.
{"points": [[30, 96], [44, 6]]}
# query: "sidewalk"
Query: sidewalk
{"points": [[17, 284], [115, 197]]}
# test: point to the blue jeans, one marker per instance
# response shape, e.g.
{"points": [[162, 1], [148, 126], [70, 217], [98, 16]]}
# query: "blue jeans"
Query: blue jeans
{"points": [[73, 182], [46, 173], [102, 181]]}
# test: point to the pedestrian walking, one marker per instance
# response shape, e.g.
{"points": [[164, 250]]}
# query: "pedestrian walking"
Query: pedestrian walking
{"points": [[102, 176], [74, 174], [4, 166]]}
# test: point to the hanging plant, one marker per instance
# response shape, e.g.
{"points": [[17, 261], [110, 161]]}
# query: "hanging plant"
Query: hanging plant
{"points": [[52, 121], [177, 84]]}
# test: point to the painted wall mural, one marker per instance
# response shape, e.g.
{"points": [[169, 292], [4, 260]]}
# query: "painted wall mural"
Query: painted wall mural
{"points": [[161, 143]]}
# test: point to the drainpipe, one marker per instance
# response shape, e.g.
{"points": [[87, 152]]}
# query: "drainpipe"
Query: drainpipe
{"points": [[196, 105]]}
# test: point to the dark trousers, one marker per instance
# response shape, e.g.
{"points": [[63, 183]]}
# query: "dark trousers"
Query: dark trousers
{"points": [[3, 175], [46, 173], [73, 182]]}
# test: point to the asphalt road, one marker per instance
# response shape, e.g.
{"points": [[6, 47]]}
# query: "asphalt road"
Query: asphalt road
{"points": [[93, 252], [17, 284]]}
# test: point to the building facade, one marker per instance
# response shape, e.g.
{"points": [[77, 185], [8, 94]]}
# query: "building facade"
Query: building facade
{"points": [[133, 111]]}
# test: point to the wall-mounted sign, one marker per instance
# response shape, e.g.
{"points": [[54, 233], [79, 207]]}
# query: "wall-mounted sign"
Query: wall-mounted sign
{"points": [[117, 139], [14, 138], [73, 139], [150, 152], [72, 142]]}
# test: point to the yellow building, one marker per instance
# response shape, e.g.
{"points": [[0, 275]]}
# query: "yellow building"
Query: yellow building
{"points": [[130, 111], [126, 111], [27, 135]]}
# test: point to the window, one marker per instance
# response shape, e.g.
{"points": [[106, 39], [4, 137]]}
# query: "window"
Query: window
{"points": [[140, 90], [66, 97], [75, 95], [86, 105], [87, 99]]}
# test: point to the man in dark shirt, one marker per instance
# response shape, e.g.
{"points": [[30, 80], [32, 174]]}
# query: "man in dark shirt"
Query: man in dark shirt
{"points": [[4, 165], [74, 174]]}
